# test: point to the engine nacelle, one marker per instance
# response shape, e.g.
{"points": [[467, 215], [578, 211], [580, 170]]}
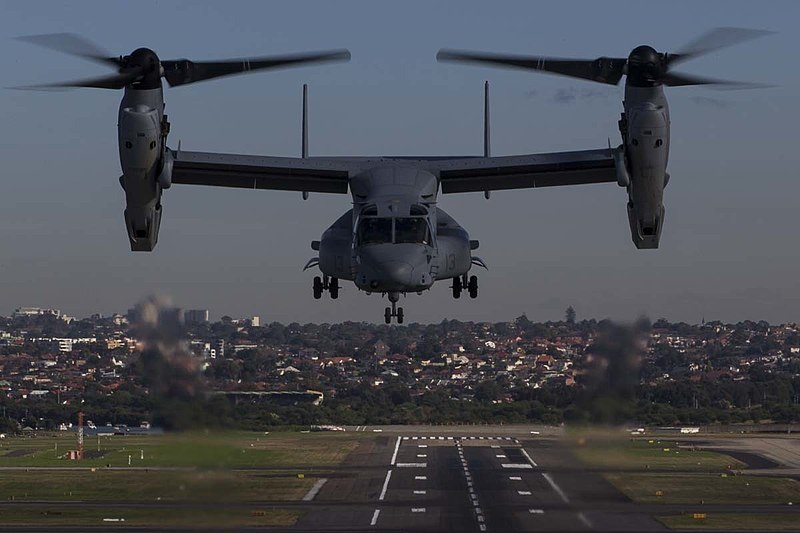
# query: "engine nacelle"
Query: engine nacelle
{"points": [[146, 165], [139, 132]]}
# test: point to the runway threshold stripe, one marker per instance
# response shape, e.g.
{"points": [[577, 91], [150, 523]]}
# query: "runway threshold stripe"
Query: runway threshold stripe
{"points": [[396, 449], [375, 517], [556, 487], [385, 485], [312, 493]]}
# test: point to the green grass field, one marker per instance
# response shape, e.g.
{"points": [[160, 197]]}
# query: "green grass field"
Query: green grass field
{"points": [[149, 486], [202, 467], [738, 521], [204, 450], [208, 517], [706, 488], [652, 454]]}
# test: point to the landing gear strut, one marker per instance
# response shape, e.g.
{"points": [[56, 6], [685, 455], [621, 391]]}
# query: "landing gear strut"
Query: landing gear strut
{"points": [[463, 282], [325, 283], [393, 311]]}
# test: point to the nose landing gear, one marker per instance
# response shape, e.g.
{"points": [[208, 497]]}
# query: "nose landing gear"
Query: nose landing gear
{"points": [[325, 283], [393, 311]]}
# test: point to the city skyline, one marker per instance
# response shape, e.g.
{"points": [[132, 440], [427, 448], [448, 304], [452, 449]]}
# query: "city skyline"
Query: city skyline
{"points": [[727, 249]]}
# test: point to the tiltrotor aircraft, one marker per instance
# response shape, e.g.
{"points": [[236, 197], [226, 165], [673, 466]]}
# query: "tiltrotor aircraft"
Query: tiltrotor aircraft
{"points": [[395, 239]]}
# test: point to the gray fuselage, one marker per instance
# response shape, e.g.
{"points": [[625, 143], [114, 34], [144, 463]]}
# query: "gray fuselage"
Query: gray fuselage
{"points": [[395, 238]]}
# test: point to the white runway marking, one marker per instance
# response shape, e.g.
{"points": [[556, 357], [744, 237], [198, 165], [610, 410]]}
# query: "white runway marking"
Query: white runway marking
{"points": [[515, 478], [524, 492], [556, 487], [311, 494], [517, 465], [481, 519], [417, 509], [422, 455], [528, 457], [375, 517], [495, 446], [411, 465], [396, 449], [536, 511], [420, 492], [500, 456], [482, 527], [582, 518], [420, 478], [385, 485], [422, 445]]}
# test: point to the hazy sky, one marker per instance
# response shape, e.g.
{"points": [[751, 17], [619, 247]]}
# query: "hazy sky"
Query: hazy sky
{"points": [[729, 247]]}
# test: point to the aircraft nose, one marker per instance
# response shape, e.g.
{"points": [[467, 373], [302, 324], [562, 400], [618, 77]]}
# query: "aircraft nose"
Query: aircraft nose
{"points": [[396, 272]]}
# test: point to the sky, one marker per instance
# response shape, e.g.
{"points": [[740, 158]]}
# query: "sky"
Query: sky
{"points": [[729, 245]]}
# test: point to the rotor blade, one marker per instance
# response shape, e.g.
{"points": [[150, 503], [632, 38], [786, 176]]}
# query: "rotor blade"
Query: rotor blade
{"points": [[182, 71], [675, 79], [714, 40], [72, 44], [603, 69], [112, 81]]}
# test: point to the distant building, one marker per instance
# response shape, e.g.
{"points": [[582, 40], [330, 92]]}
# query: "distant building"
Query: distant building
{"points": [[195, 316], [36, 311], [218, 348], [255, 321]]}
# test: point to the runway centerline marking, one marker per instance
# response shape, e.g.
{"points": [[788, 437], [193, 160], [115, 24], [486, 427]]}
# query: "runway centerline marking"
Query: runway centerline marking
{"points": [[517, 465], [417, 509], [396, 449], [420, 478], [422, 455], [536, 511], [555, 487], [515, 478], [411, 465], [385, 485], [500, 456], [524, 492], [375, 517], [420, 492]]}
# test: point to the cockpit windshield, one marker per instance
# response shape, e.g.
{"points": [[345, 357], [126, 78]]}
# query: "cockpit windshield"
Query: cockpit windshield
{"points": [[374, 231], [384, 230], [411, 230]]}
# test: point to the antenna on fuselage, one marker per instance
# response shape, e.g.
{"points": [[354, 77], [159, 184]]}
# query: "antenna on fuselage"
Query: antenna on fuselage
{"points": [[304, 133], [486, 141]]}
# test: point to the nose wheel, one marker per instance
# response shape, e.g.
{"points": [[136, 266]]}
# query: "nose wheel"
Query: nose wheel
{"points": [[393, 311], [322, 284]]}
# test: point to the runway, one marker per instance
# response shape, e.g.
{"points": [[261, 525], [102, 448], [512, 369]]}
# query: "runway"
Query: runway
{"points": [[480, 483]]}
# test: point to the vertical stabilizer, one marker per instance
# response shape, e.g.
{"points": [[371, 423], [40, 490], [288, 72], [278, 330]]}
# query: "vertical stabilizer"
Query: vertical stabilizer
{"points": [[486, 143]]}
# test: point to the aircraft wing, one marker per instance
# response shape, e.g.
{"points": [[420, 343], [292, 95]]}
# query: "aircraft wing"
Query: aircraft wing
{"points": [[525, 171], [257, 172]]}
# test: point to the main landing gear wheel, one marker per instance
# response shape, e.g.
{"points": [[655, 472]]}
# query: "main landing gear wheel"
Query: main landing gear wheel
{"points": [[472, 287], [399, 315], [317, 286], [457, 287], [322, 284], [333, 288], [387, 315]]}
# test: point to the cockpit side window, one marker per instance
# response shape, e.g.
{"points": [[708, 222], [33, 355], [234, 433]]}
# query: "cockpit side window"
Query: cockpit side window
{"points": [[411, 230], [374, 231]]}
